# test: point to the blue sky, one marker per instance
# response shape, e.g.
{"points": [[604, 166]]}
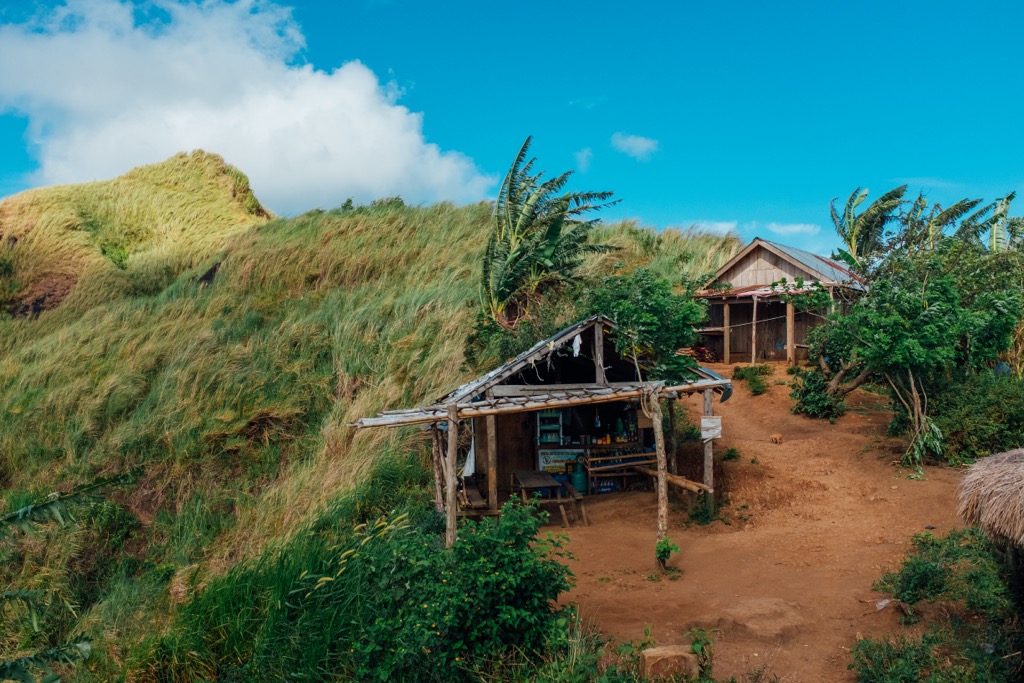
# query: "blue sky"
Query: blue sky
{"points": [[743, 115]]}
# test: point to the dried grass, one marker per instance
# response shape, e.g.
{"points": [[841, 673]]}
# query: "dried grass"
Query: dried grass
{"points": [[991, 496]]}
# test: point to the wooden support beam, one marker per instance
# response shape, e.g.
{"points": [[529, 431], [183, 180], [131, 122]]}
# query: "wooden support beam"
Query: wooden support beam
{"points": [[726, 334], [439, 476], [673, 456], [451, 503], [753, 334], [709, 454], [674, 479], [492, 461], [790, 333], [517, 390], [599, 375]]}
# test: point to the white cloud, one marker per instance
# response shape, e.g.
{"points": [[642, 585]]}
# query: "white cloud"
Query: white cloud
{"points": [[583, 159], [791, 229], [636, 146], [105, 91]]}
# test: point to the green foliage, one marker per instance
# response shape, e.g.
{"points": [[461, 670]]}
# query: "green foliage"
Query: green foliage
{"points": [[958, 567], [976, 637], [385, 602], [663, 550], [863, 233], [754, 376], [810, 393], [702, 644], [804, 297], [731, 453], [893, 661], [20, 670], [978, 415], [536, 239], [705, 509], [651, 321], [58, 507]]}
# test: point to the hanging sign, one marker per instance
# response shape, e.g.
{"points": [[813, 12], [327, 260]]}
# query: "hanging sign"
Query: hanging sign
{"points": [[711, 427]]}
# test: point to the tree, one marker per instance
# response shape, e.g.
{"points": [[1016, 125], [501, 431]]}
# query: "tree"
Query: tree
{"points": [[537, 238], [863, 233], [651, 322], [926, 315]]}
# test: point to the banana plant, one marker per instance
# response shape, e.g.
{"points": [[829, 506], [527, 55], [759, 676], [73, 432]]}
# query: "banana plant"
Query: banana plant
{"points": [[537, 238], [862, 233]]}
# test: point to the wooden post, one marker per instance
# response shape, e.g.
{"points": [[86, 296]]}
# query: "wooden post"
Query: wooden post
{"points": [[492, 461], [725, 335], [654, 407], [790, 334], [709, 460], [599, 375], [439, 475], [451, 503], [673, 460], [753, 334]]}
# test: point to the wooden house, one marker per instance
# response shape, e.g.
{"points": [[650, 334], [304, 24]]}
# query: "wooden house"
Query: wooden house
{"points": [[748, 321], [570, 404]]}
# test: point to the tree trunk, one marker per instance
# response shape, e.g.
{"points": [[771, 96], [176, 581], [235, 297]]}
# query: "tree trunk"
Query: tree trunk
{"points": [[654, 407]]}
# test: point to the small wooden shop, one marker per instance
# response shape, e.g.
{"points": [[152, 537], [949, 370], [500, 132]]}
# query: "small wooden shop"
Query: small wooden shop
{"points": [[570, 407], [749, 322]]}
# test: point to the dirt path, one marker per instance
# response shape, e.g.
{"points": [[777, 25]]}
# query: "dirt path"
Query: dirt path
{"points": [[787, 583]]}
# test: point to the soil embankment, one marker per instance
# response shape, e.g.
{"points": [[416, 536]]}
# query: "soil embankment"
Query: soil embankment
{"points": [[813, 522]]}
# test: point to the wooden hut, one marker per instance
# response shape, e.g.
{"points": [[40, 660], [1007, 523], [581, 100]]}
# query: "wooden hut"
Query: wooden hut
{"points": [[748, 321], [571, 401]]}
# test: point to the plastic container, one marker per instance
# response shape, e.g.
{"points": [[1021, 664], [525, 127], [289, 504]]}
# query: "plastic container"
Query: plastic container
{"points": [[579, 480]]}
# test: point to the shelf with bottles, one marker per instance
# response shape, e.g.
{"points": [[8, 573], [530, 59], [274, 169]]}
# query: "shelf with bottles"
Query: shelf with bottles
{"points": [[549, 428]]}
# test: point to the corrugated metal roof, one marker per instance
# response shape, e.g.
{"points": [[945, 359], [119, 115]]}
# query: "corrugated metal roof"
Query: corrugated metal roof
{"points": [[833, 271]]}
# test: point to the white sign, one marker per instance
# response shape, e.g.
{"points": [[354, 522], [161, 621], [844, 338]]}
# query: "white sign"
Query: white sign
{"points": [[711, 427]]}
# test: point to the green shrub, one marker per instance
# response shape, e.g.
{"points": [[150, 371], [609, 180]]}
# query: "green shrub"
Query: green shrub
{"points": [[888, 661], [384, 602], [754, 376], [979, 416], [976, 636], [811, 398], [731, 454]]}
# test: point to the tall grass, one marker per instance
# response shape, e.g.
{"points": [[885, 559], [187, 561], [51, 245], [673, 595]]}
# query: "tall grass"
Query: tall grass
{"points": [[234, 390]]}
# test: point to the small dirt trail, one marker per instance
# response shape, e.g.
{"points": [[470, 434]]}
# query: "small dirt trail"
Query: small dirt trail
{"points": [[813, 522]]}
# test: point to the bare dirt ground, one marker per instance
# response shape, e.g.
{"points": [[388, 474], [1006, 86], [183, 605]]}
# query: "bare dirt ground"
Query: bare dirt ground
{"points": [[813, 522]]}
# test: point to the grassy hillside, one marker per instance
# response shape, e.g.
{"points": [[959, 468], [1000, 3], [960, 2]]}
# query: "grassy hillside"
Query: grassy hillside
{"points": [[228, 376], [84, 244]]}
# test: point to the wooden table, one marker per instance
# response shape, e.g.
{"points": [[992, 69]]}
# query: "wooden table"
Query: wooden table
{"points": [[528, 482]]}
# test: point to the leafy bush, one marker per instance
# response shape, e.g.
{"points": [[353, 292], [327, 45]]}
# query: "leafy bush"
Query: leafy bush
{"points": [[982, 415], [812, 399], [385, 602], [754, 376], [977, 637], [731, 454]]}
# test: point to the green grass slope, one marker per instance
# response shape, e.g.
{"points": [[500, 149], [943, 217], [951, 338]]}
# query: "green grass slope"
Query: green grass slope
{"points": [[229, 379], [83, 244]]}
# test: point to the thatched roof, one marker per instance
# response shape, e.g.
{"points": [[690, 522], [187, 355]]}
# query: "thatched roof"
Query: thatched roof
{"points": [[991, 496]]}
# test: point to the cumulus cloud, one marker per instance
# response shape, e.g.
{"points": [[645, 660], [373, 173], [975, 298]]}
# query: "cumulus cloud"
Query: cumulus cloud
{"points": [[636, 146], [107, 86], [791, 229], [583, 159]]}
